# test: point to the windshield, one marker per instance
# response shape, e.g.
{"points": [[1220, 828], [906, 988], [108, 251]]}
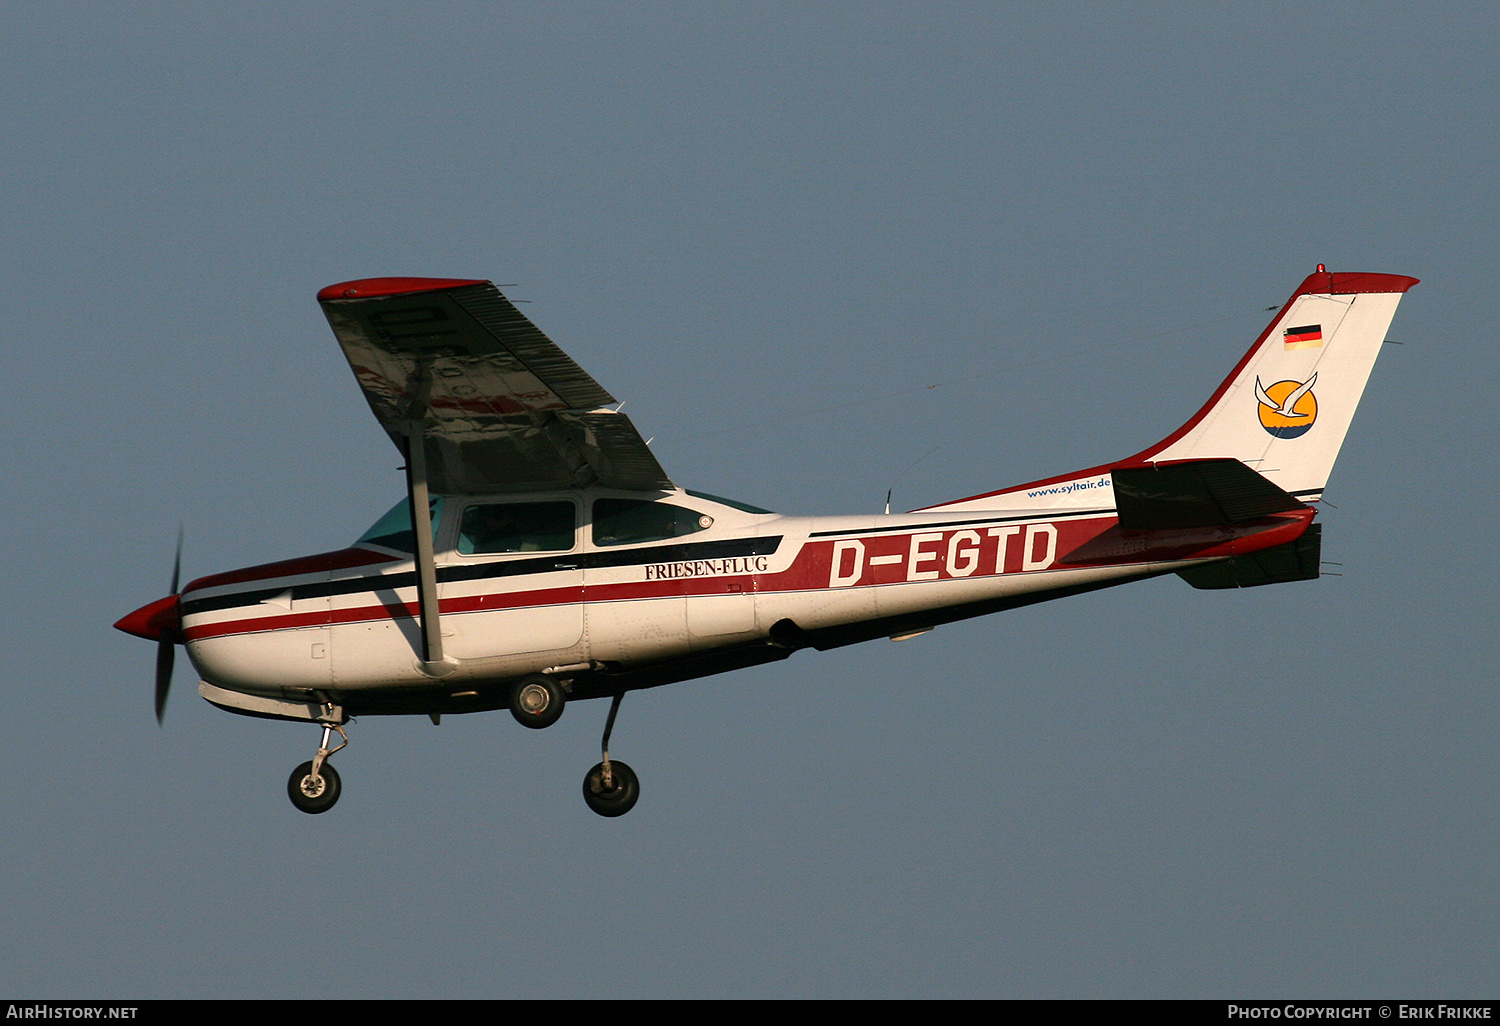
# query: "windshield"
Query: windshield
{"points": [[394, 530]]}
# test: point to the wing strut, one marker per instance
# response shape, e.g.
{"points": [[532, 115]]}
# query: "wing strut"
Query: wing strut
{"points": [[433, 663]]}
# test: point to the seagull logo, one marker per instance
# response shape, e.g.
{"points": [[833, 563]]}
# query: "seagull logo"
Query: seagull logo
{"points": [[1287, 408]]}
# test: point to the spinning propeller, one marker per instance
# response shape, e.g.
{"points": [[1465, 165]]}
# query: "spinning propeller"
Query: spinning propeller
{"points": [[166, 648], [161, 622]]}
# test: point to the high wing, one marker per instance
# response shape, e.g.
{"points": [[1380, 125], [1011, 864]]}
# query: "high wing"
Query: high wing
{"points": [[499, 406]]}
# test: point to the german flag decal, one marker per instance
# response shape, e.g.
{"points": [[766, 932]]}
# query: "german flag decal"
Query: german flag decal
{"points": [[1309, 336]]}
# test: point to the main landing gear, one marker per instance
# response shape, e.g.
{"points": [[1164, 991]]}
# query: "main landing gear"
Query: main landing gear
{"points": [[611, 787], [315, 786], [537, 701]]}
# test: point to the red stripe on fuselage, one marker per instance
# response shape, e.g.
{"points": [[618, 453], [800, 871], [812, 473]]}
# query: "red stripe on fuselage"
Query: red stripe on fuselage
{"points": [[865, 561]]}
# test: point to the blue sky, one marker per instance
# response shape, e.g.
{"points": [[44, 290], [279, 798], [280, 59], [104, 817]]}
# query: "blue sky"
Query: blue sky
{"points": [[820, 250]]}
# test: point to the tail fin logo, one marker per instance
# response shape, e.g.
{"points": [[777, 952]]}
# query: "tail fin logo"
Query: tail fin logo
{"points": [[1287, 408]]}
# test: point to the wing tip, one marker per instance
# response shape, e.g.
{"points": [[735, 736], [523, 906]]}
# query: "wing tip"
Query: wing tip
{"points": [[1345, 283], [374, 288]]}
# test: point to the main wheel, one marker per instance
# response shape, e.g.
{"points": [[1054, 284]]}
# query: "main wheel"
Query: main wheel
{"points": [[314, 794], [616, 800], [537, 701]]}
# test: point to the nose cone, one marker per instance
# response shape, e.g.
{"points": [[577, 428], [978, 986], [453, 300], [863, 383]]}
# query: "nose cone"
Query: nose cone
{"points": [[155, 621]]}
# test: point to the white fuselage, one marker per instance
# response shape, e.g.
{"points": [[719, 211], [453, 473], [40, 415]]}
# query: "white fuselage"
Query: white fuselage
{"points": [[346, 622]]}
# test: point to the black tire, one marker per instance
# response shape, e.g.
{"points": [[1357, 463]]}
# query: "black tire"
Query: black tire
{"points": [[537, 701], [617, 800], [314, 795]]}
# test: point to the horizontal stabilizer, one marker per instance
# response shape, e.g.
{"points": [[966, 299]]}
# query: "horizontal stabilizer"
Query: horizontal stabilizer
{"points": [[1195, 493], [1294, 561]]}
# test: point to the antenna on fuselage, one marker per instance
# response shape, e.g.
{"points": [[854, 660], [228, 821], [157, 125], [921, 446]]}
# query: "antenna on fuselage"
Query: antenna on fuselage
{"points": [[903, 473]]}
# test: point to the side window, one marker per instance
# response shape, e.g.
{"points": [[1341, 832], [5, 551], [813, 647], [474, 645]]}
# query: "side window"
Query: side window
{"points": [[490, 528], [634, 521]]}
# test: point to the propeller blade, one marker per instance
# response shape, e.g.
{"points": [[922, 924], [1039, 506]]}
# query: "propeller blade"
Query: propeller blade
{"points": [[177, 563], [166, 648], [166, 653]]}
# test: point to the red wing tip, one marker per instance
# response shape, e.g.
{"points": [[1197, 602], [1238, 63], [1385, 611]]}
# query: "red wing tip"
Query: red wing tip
{"points": [[374, 288], [1345, 283]]}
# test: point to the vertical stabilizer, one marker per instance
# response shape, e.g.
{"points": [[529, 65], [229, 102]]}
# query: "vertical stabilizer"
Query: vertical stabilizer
{"points": [[1285, 409]]}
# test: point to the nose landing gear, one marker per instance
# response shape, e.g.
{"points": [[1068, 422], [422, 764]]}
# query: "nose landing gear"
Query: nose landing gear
{"points": [[315, 786], [314, 792]]}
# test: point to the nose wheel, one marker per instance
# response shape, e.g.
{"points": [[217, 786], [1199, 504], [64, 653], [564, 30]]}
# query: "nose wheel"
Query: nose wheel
{"points": [[611, 787], [315, 786], [312, 792]]}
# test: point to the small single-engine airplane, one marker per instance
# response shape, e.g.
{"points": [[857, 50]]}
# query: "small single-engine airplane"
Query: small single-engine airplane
{"points": [[542, 555]]}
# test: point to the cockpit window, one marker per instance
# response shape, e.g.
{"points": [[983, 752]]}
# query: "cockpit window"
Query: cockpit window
{"points": [[489, 528], [394, 530], [635, 521]]}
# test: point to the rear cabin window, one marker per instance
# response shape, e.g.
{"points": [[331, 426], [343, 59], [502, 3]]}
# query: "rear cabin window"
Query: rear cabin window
{"points": [[636, 521], [491, 528], [394, 530]]}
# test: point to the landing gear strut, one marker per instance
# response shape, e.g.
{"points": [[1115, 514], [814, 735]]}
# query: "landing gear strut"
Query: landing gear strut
{"points": [[611, 788], [315, 786]]}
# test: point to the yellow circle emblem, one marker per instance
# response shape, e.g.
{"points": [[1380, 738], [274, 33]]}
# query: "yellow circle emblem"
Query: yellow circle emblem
{"points": [[1283, 412]]}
